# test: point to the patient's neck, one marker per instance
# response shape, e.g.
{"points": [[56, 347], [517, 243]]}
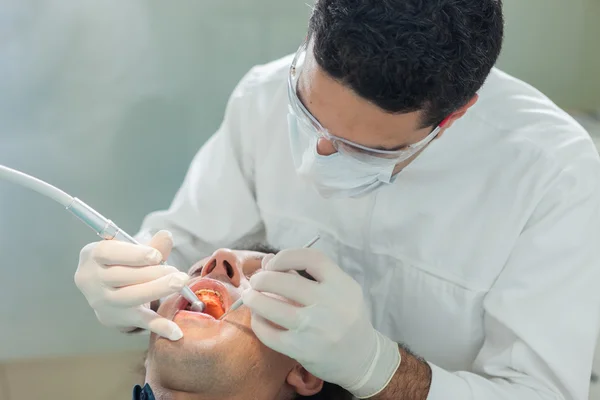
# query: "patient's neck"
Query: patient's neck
{"points": [[161, 393]]}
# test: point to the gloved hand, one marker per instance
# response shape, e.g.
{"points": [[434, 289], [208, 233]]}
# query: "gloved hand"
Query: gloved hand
{"points": [[119, 280], [330, 333]]}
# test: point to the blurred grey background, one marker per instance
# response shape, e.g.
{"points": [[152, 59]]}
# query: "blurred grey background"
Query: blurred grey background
{"points": [[109, 100]]}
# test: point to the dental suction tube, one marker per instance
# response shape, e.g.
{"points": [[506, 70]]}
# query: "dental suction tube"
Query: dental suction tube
{"points": [[103, 227], [35, 184]]}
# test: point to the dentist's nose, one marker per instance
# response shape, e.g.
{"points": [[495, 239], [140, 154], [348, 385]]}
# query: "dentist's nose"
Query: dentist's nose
{"points": [[325, 147], [224, 264]]}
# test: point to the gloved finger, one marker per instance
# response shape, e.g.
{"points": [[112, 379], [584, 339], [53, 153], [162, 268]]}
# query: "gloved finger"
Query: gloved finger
{"points": [[115, 252], [118, 275], [313, 261], [163, 242], [153, 322], [135, 295], [265, 260], [272, 337], [291, 286], [277, 311]]}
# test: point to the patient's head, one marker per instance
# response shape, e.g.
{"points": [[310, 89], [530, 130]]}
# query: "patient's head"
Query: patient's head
{"points": [[224, 359]]}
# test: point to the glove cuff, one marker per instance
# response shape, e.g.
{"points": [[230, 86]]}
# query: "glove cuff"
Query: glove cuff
{"points": [[385, 363]]}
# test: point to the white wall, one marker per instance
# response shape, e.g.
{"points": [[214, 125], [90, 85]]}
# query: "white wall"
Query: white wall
{"points": [[555, 45], [590, 66], [110, 99]]}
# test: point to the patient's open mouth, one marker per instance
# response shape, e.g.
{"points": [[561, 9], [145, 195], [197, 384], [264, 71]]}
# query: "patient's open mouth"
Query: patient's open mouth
{"points": [[215, 306], [213, 293]]}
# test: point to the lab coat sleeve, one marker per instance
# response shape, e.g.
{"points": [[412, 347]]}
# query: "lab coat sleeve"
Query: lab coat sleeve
{"points": [[541, 317], [215, 206]]}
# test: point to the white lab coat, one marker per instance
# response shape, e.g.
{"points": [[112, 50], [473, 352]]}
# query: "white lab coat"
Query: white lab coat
{"points": [[482, 256]]}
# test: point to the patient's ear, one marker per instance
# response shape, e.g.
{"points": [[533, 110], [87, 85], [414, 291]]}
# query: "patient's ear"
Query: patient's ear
{"points": [[303, 382]]}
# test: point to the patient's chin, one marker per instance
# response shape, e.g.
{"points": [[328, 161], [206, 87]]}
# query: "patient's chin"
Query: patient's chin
{"points": [[219, 359], [175, 366], [216, 374]]}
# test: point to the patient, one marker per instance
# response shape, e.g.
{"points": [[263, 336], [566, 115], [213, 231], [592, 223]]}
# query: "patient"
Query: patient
{"points": [[224, 359]]}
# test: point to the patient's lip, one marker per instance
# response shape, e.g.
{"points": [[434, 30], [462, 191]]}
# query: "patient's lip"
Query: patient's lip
{"points": [[194, 314]]}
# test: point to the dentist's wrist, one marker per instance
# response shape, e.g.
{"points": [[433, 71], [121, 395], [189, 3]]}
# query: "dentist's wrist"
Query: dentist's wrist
{"points": [[383, 366]]}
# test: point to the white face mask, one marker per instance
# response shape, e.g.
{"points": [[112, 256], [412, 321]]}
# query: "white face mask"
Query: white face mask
{"points": [[336, 175]]}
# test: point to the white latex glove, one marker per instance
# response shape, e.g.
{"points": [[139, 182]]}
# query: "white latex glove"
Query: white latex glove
{"points": [[330, 333], [119, 280]]}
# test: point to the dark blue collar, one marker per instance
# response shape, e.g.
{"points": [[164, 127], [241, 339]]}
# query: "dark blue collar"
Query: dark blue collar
{"points": [[143, 393]]}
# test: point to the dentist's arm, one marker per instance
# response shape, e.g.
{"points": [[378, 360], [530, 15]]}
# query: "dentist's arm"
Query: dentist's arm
{"points": [[541, 317]]}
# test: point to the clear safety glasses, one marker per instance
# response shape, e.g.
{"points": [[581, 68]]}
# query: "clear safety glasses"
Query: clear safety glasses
{"points": [[362, 153]]}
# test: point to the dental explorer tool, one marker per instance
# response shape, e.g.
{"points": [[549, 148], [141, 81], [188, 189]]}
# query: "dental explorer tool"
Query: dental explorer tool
{"points": [[103, 227], [239, 301]]}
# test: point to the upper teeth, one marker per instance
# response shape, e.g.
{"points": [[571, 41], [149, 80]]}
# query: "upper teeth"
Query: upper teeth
{"points": [[198, 292]]}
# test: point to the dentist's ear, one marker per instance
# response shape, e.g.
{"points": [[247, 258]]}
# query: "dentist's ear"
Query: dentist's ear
{"points": [[456, 115], [303, 382]]}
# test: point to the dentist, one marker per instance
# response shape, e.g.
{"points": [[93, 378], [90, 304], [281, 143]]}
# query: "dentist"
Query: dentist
{"points": [[458, 209]]}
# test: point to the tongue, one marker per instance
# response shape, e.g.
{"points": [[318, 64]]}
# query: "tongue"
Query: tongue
{"points": [[213, 304]]}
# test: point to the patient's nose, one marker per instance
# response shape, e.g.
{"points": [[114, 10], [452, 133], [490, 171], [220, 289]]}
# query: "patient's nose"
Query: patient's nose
{"points": [[223, 264]]}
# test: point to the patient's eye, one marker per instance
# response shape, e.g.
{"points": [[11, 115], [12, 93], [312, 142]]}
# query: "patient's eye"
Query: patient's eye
{"points": [[196, 270], [252, 265], [249, 274]]}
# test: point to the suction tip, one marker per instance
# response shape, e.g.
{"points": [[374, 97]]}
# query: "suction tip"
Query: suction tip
{"points": [[197, 306]]}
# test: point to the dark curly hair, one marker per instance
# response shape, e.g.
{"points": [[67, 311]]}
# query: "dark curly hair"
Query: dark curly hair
{"points": [[409, 55]]}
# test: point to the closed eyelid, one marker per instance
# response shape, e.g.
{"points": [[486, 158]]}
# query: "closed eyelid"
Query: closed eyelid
{"points": [[250, 274], [254, 271], [195, 269]]}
